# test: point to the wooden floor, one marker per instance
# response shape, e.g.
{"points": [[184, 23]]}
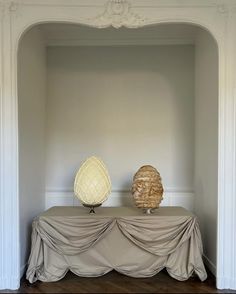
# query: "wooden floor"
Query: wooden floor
{"points": [[114, 282]]}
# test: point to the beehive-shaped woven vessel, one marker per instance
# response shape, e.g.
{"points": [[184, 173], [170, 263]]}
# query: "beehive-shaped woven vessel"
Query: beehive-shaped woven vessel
{"points": [[92, 182], [147, 189]]}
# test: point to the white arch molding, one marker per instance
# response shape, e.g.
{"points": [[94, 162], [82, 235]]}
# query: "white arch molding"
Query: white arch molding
{"points": [[18, 16]]}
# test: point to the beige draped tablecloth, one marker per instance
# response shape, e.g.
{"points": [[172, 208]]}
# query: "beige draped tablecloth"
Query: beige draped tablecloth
{"points": [[119, 238]]}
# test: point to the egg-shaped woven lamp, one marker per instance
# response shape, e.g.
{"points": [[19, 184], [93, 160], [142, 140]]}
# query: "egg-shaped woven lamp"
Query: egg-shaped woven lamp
{"points": [[92, 183]]}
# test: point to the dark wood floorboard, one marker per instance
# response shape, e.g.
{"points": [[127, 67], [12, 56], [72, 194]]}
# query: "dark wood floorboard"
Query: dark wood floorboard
{"points": [[114, 282]]}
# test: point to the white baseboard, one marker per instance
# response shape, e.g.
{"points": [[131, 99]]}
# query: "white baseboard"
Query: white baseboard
{"points": [[210, 265], [172, 197]]}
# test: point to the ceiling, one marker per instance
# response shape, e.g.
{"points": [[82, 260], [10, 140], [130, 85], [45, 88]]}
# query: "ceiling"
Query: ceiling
{"points": [[59, 34]]}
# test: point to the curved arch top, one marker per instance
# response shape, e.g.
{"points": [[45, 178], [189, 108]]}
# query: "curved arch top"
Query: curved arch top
{"points": [[117, 14]]}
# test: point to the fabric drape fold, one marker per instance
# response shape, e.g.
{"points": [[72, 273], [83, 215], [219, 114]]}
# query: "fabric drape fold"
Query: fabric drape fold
{"points": [[170, 238], [67, 236], [160, 238]]}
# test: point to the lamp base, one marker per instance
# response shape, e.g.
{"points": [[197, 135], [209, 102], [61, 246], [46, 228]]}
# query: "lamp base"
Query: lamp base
{"points": [[149, 210], [92, 207]]}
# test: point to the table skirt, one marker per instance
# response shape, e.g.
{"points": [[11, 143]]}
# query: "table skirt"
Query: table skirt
{"points": [[123, 243]]}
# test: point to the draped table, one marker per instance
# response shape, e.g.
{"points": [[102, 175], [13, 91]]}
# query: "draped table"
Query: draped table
{"points": [[119, 238]]}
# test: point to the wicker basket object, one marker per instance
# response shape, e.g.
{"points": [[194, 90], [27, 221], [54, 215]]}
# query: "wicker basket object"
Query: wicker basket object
{"points": [[147, 189], [92, 182]]}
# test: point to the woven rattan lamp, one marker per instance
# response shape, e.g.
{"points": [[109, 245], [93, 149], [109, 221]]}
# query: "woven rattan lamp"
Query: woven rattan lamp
{"points": [[92, 183], [147, 189]]}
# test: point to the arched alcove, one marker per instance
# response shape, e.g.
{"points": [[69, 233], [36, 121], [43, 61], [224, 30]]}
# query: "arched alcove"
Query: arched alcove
{"points": [[148, 95], [218, 18]]}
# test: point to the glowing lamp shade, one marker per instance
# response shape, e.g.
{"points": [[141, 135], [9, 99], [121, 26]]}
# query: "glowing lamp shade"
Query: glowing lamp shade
{"points": [[92, 182]]}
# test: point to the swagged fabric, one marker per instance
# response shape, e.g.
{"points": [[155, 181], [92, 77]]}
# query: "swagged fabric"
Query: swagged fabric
{"points": [[121, 238]]}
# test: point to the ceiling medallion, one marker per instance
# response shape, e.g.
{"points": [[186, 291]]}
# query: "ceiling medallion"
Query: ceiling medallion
{"points": [[118, 13]]}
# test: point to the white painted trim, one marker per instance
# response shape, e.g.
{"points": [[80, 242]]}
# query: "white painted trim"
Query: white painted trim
{"points": [[9, 283], [166, 190], [210, 265], [135, 3], [120, 42], [10, 268], [2, 233], [219, 19], [119, 198], [225, 282], [226, 237]]}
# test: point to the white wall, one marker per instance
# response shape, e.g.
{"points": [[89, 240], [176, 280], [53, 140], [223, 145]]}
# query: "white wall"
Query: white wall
{"points": [[206, 141], [31, 95], [129, 105]]}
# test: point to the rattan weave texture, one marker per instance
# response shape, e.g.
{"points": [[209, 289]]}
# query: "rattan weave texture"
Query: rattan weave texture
{"points": [[92, 183]]}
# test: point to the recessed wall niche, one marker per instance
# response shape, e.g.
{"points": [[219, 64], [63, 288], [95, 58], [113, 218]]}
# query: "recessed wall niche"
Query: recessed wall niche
{"points": [[129, 96], [126, 104]]}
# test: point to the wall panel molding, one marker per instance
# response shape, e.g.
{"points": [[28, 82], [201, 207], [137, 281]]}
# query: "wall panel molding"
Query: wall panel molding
{"points": [[226, 240], [220, 23], [109, 42], [9, 259], [172, 197], [2, 233]]}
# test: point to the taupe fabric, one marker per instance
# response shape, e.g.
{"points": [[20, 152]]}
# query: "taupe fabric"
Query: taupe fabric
{"points": [[122, 238]]}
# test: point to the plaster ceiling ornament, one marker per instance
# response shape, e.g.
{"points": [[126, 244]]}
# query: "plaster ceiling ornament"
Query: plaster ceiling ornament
{"points": [[92, 183], [147, 189], [117, 13]]}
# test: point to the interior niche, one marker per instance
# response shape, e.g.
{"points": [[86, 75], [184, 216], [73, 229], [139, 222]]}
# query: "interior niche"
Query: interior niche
{"points": [[130, 96]]}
